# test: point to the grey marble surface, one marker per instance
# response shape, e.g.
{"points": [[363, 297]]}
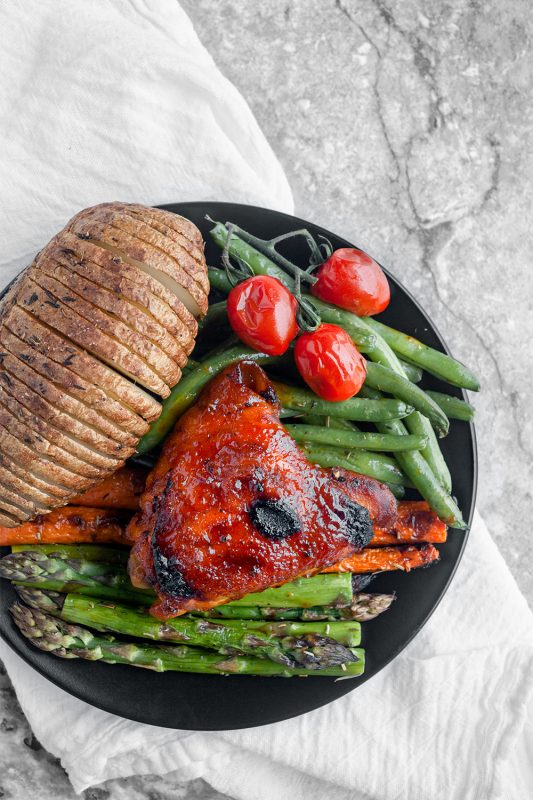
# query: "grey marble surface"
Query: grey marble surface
{"points": [[406, 127]]}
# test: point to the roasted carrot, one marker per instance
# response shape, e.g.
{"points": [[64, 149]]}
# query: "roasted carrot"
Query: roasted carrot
{"points": [[120, 490], [69, 525], [416, 522], [387, 558]]}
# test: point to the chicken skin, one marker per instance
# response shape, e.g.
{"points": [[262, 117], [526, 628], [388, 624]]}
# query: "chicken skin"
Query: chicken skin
{"points": [[233, 506]]}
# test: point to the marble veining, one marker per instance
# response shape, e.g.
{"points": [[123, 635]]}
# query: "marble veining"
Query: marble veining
{"points": [[406, 127]]}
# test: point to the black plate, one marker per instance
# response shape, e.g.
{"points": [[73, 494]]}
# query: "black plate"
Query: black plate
{"points": [[197, 702]]}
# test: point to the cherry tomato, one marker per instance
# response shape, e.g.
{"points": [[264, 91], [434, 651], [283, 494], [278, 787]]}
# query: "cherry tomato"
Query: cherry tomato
{"points": [[352, 280], [330, 363], [262, 312]]}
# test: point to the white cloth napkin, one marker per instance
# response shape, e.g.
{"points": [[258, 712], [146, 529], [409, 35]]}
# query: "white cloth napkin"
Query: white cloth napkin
{"points": [[451, 717], [116, 100], [119, 100]]}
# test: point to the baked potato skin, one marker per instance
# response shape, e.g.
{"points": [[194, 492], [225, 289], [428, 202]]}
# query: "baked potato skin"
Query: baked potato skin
{"points": [[93, 336]]}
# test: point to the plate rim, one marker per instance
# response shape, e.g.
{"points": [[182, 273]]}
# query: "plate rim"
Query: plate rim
{"points": [[350, 685]]}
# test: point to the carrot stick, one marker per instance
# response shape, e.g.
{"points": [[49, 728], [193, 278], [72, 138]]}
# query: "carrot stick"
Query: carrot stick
{"points": [[69, 525], [120, 490], [387, 558], [416, 522]]}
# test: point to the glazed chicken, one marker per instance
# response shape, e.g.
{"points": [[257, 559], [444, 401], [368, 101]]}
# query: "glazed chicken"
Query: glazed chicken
{"points": [[233, 506]]}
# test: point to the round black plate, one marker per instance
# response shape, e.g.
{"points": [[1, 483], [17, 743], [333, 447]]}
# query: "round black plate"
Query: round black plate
{"points": [[197, 702]]}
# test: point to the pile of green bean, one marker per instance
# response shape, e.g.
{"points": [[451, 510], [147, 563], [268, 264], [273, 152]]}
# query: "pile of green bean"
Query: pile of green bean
{"points": [[403, 451]]}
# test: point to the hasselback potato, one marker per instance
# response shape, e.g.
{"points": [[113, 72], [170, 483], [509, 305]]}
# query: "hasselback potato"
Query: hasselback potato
{"points": [[93, 335]]}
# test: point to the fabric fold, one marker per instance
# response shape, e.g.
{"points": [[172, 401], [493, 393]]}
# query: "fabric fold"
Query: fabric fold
{"points": [[457, 701]]}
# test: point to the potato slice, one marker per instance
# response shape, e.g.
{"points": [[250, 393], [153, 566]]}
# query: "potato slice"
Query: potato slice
{"points": [[151, 260], [42, 397], [40, 444], [161, 321], [12, 495], [9, 495], [56, 491], [30, 458], [156, 223], [136, 404], [94, 398], [28, 492], [117, 215], [175, 222], [23, 410], [8, 521], [166, 280], [16, 511], [147, 291], [10, 297], [163, 366], [130, 314], [61, 317]]}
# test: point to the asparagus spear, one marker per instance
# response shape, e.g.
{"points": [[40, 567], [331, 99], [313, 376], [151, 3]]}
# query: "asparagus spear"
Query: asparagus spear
{"points": [[75, 575], [365, 606], [87, 552], [313, 645], [73, 641], [111, 581], [303, 593]]}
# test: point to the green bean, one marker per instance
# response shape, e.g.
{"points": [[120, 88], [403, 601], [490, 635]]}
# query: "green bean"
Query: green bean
{"points": [[329, 422], [419, 425], [355, 439], [187, 390], [219, 280], [216, 314], [416, 424], [375, 465], [286, 413], [420, 473], [412, 372], [398, 491], [433, 361], [453, 407], [355, 408], [386, 380], [260, 264], [335, 423], [189, 366], [354, 326], [369, 393]]}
